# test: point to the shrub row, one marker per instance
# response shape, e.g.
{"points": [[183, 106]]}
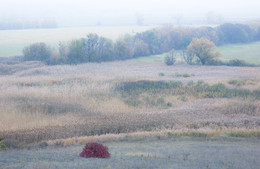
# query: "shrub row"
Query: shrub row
{"points": [[200, 89], [94, 48], [233, 62]]}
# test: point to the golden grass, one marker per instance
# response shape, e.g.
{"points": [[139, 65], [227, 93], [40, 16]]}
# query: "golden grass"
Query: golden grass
{"points": [[248, 107], [203, 132], [51, 96], [13, 120]]}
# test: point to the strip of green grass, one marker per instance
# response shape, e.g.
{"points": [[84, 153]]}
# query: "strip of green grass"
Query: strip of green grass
{"points": [[11, 50], [7, 50], [249, 52]]}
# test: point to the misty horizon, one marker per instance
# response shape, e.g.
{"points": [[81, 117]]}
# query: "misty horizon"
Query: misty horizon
{"points": [[115, 13]]}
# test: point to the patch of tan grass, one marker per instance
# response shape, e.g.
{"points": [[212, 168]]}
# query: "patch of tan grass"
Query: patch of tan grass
{"points": [[13, 120], [185, 132], [251, 108]]}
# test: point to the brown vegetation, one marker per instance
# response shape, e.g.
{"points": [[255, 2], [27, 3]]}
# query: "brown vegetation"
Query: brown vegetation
{"points": [[42, 103]]}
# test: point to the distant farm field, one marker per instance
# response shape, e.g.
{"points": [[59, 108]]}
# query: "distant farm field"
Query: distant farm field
{"points": [[249, 52], [12, 42]]}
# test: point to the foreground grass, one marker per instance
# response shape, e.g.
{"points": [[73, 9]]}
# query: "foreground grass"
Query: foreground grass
{"points": [[147, 153]]}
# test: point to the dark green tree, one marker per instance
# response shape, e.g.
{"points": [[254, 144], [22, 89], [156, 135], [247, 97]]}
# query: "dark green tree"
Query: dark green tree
{"points": [[123, 50], [140, 48], [76, 53], [37, 52], [105, 50]]}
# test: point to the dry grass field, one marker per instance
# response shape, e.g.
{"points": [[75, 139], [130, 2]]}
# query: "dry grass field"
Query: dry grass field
{"points": [[39, 102]]}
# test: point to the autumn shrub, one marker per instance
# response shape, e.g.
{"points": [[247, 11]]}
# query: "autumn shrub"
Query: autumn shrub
{"points": [[2, 143], [204, 50], [242, 82], [95, 150], [170, 58]]}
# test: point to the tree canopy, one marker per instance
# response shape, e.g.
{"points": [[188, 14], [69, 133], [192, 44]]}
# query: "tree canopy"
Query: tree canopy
{"points": [[37, 52], [204, 49]]}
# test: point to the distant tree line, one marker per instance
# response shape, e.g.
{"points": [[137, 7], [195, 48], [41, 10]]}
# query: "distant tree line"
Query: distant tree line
{"points": [[24, 24], [94, 48]]}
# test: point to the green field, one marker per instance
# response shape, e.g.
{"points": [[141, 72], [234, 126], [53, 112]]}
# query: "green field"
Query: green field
{"points": [[12, 42], [249, 52]]}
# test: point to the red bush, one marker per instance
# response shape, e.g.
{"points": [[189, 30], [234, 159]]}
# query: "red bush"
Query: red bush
{"points": [[95, 150]]}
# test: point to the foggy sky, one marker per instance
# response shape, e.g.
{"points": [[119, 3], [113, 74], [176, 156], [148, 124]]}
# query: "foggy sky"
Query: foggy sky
{"points": [[84, 12]]}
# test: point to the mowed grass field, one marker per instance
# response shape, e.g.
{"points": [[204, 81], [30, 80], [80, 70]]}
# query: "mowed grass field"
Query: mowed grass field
{"points": [[12, 42]]}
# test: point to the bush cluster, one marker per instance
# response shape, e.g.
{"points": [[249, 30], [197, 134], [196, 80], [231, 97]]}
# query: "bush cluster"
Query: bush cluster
{"points": [[37, 51], [170, 58], [95, 150], [237, 62], [133, 92], [233, 62]]}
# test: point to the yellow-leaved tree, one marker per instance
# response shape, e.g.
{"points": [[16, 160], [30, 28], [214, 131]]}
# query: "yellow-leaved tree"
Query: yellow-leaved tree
{"points": [[204, 49]]}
